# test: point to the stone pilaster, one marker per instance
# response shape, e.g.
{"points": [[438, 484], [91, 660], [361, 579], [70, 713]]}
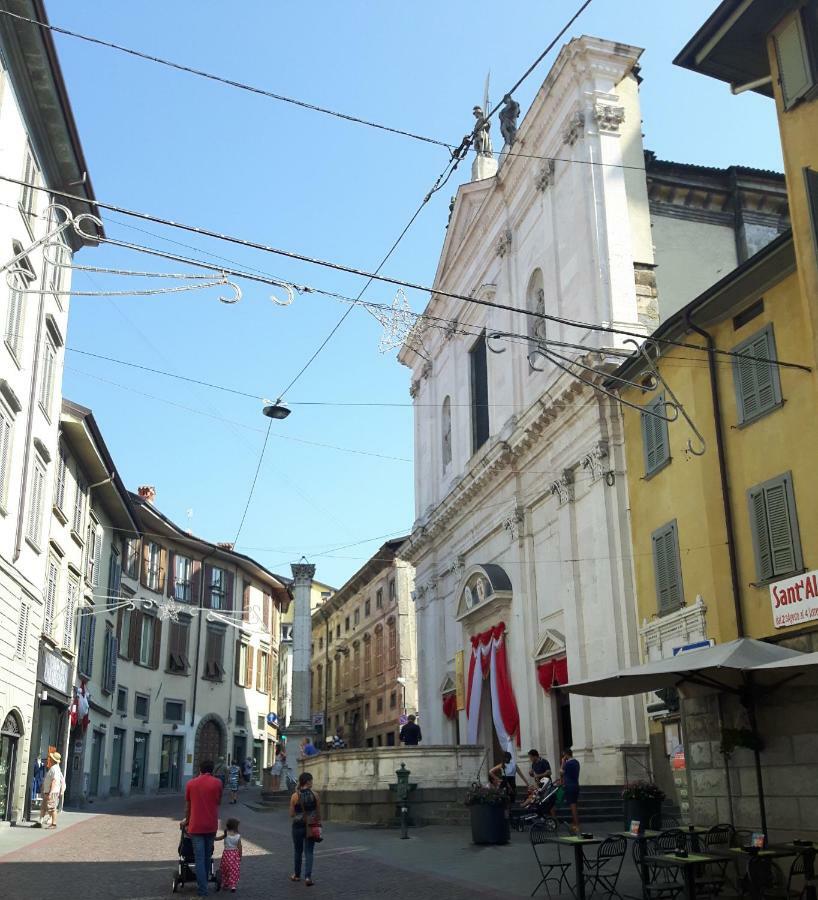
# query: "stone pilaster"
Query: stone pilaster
{"points": [[301, 719]]}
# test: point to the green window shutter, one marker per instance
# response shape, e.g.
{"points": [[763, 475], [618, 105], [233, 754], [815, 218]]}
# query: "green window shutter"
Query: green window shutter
{"points": [[775, 529], [761, 535], [669, 595], [794, 67], [654, 436], [757, 384]]}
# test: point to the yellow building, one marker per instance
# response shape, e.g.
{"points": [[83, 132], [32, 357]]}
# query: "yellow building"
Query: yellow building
{"points": [[724, 498]]}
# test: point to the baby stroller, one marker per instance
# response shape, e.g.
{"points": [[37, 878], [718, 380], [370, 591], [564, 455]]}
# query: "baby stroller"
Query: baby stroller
{"points": [[541, 806], [186, 870]]}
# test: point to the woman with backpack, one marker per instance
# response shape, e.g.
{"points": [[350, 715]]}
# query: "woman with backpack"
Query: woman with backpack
{"points": [[305, 811]]}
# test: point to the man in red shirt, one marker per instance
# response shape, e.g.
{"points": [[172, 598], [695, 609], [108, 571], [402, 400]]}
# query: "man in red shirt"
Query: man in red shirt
{"points": [[202, 798]]}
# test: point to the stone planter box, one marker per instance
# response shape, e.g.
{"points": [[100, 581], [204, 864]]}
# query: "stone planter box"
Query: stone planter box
{"points": [[489, 824], [646, 812]]}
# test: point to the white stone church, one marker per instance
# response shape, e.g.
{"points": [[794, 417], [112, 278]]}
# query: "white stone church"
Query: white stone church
{"points": [[521, 503]]}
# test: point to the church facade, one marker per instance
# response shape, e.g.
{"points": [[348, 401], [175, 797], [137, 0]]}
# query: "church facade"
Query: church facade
{"points": [[524, 575]]}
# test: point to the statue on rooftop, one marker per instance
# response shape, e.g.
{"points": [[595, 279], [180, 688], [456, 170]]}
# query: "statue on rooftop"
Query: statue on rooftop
{"points": [[482, 138], [508, 120]]}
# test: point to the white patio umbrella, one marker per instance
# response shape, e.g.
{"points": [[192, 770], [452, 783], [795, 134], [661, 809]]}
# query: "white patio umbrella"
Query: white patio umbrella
{"points": [[722, 667], [741, 667]]}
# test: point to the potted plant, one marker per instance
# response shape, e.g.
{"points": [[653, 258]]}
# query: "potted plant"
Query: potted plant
{"points": [[488, 810], [643, 803]]}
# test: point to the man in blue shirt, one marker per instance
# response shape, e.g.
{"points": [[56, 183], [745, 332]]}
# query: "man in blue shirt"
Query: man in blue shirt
{"points": [[570, 785], [308, 748]]}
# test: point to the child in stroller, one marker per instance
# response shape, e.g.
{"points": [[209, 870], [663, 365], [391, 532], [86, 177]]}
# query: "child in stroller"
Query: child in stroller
{"points": [[539, 804], [186, 868]]}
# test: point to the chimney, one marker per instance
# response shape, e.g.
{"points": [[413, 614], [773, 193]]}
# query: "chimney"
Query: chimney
{"points": [[147, 492], [224, 545]]}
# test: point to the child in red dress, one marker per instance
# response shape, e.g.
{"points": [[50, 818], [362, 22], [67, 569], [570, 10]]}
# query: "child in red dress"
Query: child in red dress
{"points": [[231, 856]]}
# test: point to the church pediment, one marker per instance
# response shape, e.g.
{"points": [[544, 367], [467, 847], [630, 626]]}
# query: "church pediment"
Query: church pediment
{"points": [[448, 685], [483, 588], [466, 207], [551, 643]]}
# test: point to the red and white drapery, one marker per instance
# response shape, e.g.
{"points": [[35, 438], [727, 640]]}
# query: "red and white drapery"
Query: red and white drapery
{"points": [[80, 706], [488, 661], [450, 705], [552, 673]]}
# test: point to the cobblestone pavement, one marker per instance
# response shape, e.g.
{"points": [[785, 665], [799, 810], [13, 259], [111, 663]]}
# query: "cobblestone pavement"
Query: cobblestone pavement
{"points": [[128, 850]]}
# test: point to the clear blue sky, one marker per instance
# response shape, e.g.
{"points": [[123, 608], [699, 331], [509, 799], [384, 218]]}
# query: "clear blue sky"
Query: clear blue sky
{"points": [[191, 150]]}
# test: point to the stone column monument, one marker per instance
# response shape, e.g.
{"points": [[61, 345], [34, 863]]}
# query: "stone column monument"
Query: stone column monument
{"points": [[301, 717]]}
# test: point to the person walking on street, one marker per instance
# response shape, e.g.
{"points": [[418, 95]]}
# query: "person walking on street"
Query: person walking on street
{"points": [[247, 769], [305, 809], [230, 866], [410, 733], [52, 791], [203, 795], [570, 786], [233, 775]]}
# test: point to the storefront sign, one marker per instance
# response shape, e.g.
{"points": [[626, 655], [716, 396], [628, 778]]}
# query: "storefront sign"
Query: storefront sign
{"points": [[56, 672], [795, 600]]}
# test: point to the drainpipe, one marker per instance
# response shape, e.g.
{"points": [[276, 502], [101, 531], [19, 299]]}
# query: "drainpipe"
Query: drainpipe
{"points": [[199, 638], [725, 483], [326, 675]]}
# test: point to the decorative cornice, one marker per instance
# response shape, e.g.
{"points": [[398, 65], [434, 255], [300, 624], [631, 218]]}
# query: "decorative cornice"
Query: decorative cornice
{"points": [[563, 487], [593, 461], [303, 572], [574, 128], [504, 242], [608, 117], [545, 175], [528, 432], [514, 520]]}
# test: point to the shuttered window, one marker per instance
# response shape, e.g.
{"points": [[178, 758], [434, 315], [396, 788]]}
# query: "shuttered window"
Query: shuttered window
{"points": [[35, 503], [379, 650], [655, 441], [214, 654], [50, 604], [178, 661], [182, 589], [796, 65], [21, 648], [109, 662], [47, 377], [28, 193], [774, 526], [240, 671], [393, 644], [59, 487], [5, 457], [93, 550], [85, 654], [758, 388], [114, 577], [667, 567], [80, 492], [367, 657], [147, 626], [14, 318], [71, 597]]}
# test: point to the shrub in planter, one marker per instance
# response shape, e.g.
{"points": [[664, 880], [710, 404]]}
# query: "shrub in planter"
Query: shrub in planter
{"points": [[488, 810], [643, 802]]}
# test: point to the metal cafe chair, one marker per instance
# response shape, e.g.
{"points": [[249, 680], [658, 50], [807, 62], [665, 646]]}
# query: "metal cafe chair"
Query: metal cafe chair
{"points": [[663, 820], [655, 883], [551, 868], [602, 871], [712, 877]]}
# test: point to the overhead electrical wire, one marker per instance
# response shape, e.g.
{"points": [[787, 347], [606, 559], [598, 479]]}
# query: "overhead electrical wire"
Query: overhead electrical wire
{"points": [[377, 276]]}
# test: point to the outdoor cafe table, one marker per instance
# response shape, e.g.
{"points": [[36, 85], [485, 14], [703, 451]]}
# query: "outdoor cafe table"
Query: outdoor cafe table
{"points": [[688, 866], [772, 852], [578, 843], [643, 837]]}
